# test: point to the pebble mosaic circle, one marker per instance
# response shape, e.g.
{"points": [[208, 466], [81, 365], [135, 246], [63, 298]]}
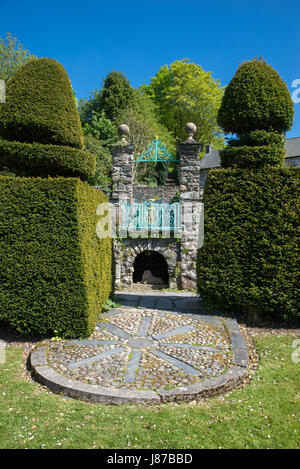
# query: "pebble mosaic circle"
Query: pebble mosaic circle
{"points": [[145, 351]]}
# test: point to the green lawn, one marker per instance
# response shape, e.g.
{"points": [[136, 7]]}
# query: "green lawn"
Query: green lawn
{"points": [[264, 414]]}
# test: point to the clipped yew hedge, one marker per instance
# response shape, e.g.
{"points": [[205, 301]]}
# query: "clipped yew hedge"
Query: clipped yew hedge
{"points": [[252, 157], [256, 99], [55, 272], [40, 106], [36, 159], [250, 258]]}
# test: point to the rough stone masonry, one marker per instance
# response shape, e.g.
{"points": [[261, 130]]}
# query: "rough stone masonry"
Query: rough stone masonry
{"points": [[179, 249]]}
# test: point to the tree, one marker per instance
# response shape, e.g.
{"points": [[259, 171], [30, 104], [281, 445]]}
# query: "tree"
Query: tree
{"points": [[12, 56], [116, 94], [87, 107], [184, 92], [101, 128], [103, 175], [112, 98], [141, 118], [256, 99], [118, 103]]}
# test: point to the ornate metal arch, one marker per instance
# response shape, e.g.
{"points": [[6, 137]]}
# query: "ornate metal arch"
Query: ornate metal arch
{"points": [[156, 151]]}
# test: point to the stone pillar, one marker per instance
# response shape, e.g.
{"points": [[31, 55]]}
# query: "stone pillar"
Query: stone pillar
{"points": [[122, 176], [190, 206], [122, 190]]}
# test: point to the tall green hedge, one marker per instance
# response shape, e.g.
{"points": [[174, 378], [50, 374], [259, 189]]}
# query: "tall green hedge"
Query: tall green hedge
{"points": [[55, 272], [250, 258]]}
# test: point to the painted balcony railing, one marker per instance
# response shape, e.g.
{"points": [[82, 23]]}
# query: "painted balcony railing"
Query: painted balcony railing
{"points": [[158, 216]]}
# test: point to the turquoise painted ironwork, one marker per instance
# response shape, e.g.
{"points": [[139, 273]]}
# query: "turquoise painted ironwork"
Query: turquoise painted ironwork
{"points": [[156, 151], [158, 216]]}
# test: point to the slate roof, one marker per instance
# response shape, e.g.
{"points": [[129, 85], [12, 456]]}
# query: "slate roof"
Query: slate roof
{"points": [[212, 159]]}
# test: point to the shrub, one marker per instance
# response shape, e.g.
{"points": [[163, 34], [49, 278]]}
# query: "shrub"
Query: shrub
{"points": [[116, 95], [257, 138], [162, 169], [35, 159], [55, 271], [250, 258], [40, 106], [256, 99], [252, 157]]}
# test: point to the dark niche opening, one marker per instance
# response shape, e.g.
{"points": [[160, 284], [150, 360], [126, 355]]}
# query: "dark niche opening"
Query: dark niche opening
{"points": [[153, 262]]}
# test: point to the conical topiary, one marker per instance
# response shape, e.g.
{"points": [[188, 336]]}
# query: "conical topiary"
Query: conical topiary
{"points": [[257, 107], [40, 113], [40, 106], [256, 99]]}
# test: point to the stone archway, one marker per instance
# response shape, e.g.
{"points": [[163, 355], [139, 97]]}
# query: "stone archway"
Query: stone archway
{"points": [[150, 267], [127, 250]]}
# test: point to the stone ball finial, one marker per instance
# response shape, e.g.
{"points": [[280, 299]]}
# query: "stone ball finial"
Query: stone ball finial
{"points": [[123, 131], [190, 129]]}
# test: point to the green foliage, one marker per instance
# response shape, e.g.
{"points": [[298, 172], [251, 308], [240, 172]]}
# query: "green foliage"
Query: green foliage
{"points": [[49, 279], [103, 174], [101, 128], [35, 159], [176, 173], [12, 56], [252, 157], [87, 107], [256, 99], [258, 138], [162, 172], [141, 118], [116, 95], [184, 93], [40, 106], [250, 258]]}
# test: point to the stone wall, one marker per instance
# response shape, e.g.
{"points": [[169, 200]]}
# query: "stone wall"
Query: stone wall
{"points": [[165, 193], [180, 255]]}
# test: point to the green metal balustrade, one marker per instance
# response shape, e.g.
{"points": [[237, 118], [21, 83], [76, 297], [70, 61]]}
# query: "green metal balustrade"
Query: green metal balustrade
{"points": [[148, 215]]}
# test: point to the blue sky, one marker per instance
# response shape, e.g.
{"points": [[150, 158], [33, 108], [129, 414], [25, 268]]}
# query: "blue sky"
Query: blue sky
{"points": [[137, 37]]}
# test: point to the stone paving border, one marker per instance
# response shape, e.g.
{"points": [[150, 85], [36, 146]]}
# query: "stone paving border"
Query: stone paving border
{"points": [[104, 395]]}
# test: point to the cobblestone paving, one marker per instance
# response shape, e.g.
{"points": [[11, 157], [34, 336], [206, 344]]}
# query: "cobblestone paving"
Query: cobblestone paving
{"points": [[147, 347]]}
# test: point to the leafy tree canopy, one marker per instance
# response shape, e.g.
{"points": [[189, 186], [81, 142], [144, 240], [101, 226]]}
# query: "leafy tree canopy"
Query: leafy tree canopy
{"points": [[101, 128], [141, 117], [12, 56], [113, 97], [103, 175], [184, 92]]}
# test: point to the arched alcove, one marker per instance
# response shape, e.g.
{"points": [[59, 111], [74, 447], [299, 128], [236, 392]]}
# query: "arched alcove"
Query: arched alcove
{"points": [[151, 261]]}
